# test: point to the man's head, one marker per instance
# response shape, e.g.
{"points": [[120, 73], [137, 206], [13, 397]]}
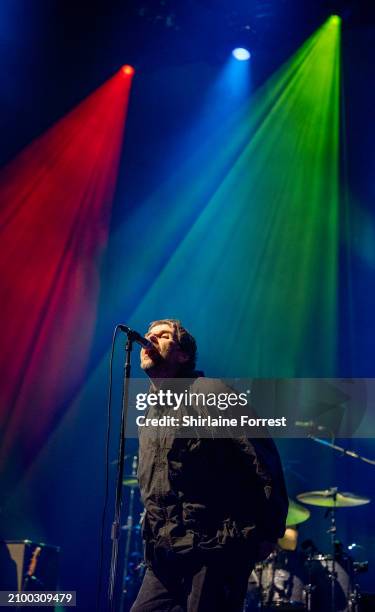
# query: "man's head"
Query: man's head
{"points": [[175, 350]]}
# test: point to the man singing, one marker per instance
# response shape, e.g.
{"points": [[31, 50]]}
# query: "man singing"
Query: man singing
{"points": [[213, 506]]}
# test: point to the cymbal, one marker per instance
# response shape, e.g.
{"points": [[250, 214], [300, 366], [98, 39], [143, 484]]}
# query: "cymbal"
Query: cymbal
{"points": [[130, 481], [296, 513], [330, 498]]}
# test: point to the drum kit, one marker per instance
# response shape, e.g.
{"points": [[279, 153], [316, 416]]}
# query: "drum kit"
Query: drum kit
{"points": [[289, 579], [308, 580]]}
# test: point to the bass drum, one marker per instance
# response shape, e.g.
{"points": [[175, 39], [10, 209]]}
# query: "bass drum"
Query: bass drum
{"points": [[278, 584], [318, 571]]}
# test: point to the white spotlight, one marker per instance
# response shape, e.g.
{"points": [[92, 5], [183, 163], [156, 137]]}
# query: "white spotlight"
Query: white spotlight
{"points": [[241, 54]]}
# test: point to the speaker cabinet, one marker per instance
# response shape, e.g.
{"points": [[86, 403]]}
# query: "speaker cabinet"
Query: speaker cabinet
{"points": [[28, 566]]}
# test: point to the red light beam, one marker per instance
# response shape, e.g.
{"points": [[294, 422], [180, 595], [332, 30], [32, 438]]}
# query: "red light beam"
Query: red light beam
{"points": [[56, 200]]}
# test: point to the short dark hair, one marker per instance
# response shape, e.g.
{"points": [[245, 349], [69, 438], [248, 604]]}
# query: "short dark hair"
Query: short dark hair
{"points": [[184, 338]]}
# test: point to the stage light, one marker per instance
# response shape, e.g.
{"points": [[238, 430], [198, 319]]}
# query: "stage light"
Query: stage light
{"points": [[335, 20], [129, 70], [241, 54]]}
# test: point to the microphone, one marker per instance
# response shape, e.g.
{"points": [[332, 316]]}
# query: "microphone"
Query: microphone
{"points": [[310, 425], [136, 337]]}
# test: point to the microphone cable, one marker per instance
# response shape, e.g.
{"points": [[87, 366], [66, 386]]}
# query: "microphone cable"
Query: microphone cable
{"points": [[106, 463]]}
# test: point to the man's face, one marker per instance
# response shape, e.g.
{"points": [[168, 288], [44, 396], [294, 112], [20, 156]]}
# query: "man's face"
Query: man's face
{"points": [[166, 358]]}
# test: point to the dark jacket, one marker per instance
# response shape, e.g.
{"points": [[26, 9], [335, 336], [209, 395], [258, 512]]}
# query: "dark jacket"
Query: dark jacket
{"points": [[203, 495]]}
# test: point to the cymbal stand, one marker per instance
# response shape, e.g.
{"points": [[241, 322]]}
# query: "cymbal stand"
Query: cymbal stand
{"points": [[309, 588], [129, 527], [332, 531], [355, 593], [354, 599]]}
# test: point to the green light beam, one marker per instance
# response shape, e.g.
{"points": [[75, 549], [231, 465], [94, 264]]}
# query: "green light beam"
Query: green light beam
{"points": [[260, 262]]}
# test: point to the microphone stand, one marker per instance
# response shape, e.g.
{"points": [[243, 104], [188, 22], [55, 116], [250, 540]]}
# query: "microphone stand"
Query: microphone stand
{"points": [[342, 450], [116, 525]]}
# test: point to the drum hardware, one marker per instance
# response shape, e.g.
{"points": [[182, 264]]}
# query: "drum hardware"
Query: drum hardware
{"points": [[360, 567], [320, 567], [132, 561], [332, 531], [332, 499], [342, 450], [319, 583], [354, 599], [272, 591], [285, 582], [257, 585], [309, 587], [277, 584]]}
